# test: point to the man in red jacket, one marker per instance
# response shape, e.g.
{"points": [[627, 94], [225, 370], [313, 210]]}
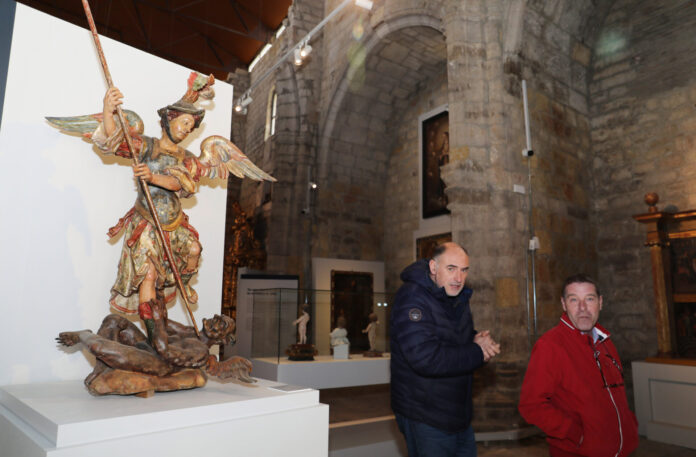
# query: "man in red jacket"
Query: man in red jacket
{"points": [[574, 388]]}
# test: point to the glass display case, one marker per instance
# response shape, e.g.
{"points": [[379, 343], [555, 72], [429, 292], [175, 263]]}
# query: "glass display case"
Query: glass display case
{"points": [[274, 312]]}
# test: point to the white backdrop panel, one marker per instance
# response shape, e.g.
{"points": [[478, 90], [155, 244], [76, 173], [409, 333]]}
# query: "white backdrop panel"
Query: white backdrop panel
{"points": [[59, 195]]}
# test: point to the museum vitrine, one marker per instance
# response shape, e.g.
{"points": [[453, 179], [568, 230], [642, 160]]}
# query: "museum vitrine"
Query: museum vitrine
{"points": [[277, 319]]}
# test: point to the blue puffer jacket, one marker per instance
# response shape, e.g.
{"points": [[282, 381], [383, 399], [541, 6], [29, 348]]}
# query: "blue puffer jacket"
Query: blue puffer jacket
{"points": [[432, 352]]}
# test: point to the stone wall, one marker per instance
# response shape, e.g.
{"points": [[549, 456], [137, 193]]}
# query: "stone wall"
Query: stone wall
{"points": [[553, 58], [643, 93], [402, 183]]}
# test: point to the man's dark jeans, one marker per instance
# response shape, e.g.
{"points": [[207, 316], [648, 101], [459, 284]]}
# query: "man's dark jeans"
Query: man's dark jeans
{"points": [[423, 440]]}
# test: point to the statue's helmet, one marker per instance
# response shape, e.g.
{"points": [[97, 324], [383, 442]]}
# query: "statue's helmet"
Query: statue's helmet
{"points": [[198, 86]]}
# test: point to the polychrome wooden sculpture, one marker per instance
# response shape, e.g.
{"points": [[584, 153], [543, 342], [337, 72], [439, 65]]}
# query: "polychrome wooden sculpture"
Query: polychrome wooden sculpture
{"points": [[161, 251], [169, 173]]}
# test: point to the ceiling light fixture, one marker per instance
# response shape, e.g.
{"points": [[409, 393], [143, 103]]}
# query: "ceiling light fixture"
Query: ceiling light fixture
{"points": [[298, 56], [306, 49], [243, 102], [300, 50]]}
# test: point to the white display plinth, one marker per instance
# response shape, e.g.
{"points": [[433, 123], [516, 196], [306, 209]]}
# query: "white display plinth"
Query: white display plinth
{"points": [[325, 372], [341, 352], [665, 397], [61, 419]]}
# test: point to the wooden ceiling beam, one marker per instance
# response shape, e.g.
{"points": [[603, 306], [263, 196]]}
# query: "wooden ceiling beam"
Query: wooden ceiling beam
{"points": [[256, 34]]}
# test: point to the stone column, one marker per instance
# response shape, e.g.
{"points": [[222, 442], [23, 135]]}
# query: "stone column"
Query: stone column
{"points": [[487, 217]]}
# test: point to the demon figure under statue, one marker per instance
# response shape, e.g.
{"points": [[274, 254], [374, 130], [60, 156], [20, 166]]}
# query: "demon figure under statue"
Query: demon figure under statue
{"points": [[161, 250], [174, 358]]}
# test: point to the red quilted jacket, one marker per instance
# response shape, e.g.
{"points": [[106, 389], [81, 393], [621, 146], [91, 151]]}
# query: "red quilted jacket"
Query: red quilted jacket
{"points": [[583, 410]]}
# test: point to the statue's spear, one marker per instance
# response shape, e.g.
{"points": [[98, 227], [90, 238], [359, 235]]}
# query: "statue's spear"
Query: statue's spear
{"points": [[143, 184]]}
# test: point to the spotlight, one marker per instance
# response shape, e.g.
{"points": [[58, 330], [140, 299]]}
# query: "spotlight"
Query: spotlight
{"points": [[365, 4], [246, 99], [312, 185], [305, 50], [298, 57], [242, 103]]}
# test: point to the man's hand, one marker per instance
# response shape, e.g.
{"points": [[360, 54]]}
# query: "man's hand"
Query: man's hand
{"points": [[489, 347]]}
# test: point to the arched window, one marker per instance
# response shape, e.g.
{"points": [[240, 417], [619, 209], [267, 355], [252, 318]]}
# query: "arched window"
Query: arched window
{"points": [[271, 113]]}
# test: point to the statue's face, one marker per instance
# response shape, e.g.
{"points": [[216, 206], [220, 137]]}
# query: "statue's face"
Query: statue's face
{"points": [[181, 126], [220, 328]]}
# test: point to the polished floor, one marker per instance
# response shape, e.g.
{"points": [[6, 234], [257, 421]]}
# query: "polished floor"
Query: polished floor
{"points": [[536, 447], [355, 405]]}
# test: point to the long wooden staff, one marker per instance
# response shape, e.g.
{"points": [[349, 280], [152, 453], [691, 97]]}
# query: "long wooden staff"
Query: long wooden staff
{"points": [[143, 183]]}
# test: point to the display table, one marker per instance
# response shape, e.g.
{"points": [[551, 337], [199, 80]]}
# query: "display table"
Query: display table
{"points": [[665, 397], [220, 419], [325, 372]]}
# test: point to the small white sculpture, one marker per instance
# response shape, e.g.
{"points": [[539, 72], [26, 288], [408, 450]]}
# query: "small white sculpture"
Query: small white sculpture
{"points": [[301, 323], [339, 335], [371, 331]]}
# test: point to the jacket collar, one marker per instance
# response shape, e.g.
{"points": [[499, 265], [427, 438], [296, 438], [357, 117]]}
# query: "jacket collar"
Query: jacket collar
{"points": [[602, 333], [419, 273]]}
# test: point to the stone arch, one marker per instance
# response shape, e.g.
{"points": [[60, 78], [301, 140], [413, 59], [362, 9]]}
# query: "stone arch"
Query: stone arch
{"points": [[400, 60], [337, 97]]}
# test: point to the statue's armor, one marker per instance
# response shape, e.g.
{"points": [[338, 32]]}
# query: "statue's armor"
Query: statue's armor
{"points": [[166, 201]]}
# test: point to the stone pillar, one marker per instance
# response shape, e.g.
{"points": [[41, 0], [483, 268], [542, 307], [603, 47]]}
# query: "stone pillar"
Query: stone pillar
{"points": [[487, 217]]}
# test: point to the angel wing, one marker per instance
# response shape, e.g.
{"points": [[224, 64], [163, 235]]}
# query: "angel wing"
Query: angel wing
{"points": [[85, 125], [220, 157]]}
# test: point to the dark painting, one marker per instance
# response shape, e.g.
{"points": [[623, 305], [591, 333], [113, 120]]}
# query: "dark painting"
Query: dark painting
{"points": [[683, 265], [351, 298], [425, 245], [435, 147], [683, 259]]}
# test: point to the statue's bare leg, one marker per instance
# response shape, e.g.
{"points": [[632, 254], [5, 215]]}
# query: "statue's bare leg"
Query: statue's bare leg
{"points": [[147, 290], [118, 328], [194, 255], [117, 355], [192, 259]]}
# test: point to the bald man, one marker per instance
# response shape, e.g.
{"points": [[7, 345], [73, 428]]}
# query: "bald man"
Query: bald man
{"points": [[434, 351]]}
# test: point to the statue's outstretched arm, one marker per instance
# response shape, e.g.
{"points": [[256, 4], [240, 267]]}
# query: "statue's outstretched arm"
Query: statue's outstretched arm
{"points": [[103, 129]]}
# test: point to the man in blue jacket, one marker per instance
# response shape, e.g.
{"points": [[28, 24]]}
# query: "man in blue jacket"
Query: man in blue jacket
{"points": [[434, 351]]}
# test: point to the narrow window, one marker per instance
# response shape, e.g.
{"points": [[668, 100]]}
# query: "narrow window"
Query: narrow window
{"points": [[271, 114]]}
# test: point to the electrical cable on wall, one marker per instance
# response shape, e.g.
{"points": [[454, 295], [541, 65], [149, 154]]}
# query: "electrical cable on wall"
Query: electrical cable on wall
{"points": [[533, 241]]}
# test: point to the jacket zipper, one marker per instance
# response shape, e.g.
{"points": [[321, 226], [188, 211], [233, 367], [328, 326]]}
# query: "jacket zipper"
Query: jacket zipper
{"points": [[618, 416]]}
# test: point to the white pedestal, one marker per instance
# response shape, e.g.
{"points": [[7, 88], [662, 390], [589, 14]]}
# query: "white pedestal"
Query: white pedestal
{"points": [[340, 352], [61, 419], [665, 397], [325, 372]]}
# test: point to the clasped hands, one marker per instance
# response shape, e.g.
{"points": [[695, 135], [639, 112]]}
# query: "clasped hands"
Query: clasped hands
{"points": [[489, 347]]}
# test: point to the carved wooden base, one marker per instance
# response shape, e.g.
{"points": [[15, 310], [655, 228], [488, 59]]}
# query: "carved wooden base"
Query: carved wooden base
{"points": [[372, 354], [121, 382], [301, 352]]}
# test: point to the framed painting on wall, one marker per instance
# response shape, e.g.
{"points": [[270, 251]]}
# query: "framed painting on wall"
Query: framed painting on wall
{"points": [[351, 298], [435, 153], [425, 245]]}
